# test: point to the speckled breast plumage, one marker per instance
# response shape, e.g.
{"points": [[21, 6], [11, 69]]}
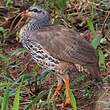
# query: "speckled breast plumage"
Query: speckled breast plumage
{"points": [[39, 54]]}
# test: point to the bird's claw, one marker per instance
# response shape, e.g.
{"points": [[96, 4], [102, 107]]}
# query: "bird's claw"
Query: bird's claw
{"points": [[67, 102]]}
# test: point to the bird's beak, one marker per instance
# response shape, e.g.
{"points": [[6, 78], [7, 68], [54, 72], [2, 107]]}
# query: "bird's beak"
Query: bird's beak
{"points": [[26, 14]]}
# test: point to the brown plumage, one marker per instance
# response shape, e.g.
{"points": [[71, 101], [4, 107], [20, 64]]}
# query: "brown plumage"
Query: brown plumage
{"points": [[56, 47], [68, 46]]}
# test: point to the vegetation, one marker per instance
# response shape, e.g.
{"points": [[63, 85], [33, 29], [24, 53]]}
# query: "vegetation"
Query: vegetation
{"points": [[22, 85]]}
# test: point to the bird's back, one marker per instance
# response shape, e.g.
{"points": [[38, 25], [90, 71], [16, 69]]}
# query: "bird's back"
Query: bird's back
{"points": [[67, 45]]}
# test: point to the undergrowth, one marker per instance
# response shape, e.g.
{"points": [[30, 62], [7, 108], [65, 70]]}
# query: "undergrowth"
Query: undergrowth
{"points": [[20, 78]]}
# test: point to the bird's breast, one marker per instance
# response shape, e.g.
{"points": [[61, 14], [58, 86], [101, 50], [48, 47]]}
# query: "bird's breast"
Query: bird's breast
{"points": [[40, 55]]}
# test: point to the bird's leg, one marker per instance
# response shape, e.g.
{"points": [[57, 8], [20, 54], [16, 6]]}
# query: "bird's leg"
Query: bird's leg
{"points": [[67, 87], [64, 70], [58, 88]]}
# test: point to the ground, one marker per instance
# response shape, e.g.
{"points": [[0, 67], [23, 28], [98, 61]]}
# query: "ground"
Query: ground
{"points": [[15, 62]]}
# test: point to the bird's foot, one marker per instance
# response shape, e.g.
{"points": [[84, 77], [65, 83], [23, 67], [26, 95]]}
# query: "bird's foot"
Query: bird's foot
{"points": [[67, 102], [67, 84]]}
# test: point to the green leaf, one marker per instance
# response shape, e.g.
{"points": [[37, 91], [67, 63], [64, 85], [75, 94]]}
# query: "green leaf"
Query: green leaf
{"points": [[91, 26], [18, 51], [4, 104], [60, 4], [96, 42], [35, 100], [2, 30], [49, 95], [73, 100], [17, 98], [101, 59]]}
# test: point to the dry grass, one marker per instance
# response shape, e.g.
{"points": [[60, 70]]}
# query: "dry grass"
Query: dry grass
{"points": [[75, 15]]}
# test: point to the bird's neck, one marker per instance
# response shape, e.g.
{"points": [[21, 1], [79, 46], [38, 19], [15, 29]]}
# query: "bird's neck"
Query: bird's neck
{"points": [[32, 25]]}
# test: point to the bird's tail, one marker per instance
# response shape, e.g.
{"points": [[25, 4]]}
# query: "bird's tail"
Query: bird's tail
{"points": [[94, 72]]}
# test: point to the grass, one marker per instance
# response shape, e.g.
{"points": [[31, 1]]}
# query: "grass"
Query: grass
{"points": [[5, 98], [16, 101], [14, 66], [73, 101], [4, 102], [96, 41]]}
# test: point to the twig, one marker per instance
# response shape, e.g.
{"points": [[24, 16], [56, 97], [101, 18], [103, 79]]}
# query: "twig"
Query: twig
{"points": [[25, 68], [11, 26], [19, 22], [103, 25], [86, 105]]}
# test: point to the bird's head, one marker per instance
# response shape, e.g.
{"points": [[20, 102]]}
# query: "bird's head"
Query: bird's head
{"points": [[35, 12]]}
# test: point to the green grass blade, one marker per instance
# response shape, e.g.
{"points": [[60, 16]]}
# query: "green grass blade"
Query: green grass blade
{"points": [[4, 104], [96, 42], [4, 59], [49, 95], [42, 75], [101, 59], [73, 100], [54, 106], [2, 30], [91, 26], [18, 51], [35, 100], [17, 98]]}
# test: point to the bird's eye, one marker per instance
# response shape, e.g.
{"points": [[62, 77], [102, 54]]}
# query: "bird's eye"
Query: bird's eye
{"points": [[36, 10]]}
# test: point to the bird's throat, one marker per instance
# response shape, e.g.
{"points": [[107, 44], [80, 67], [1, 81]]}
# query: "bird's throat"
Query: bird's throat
{"points": [[31, 26]]}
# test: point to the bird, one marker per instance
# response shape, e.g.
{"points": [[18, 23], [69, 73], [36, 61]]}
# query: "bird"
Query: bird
{"points": [[56, 48]]}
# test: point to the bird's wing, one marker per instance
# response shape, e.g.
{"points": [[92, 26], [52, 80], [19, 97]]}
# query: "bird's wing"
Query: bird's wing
{"points": [[65, 44]]}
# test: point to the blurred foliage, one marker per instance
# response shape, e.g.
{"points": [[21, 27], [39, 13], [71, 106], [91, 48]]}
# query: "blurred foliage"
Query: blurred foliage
{"points": [[9, 3], [84, 15], [4, 102], [60, 5], [16, 101], [87, 92], [96, 43]]}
